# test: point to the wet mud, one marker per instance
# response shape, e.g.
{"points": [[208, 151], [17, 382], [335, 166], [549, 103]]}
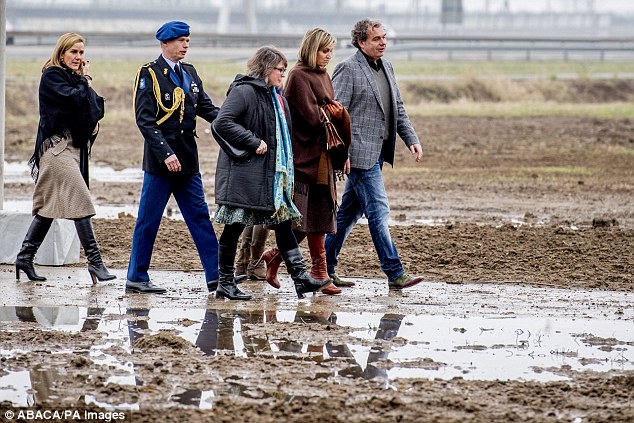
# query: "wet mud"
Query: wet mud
{"points": [[522, 227]]}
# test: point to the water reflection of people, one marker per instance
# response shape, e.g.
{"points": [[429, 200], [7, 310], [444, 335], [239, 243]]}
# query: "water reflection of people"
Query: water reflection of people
{"points": [[220, 332], [217, 331], [41, 376], [217, 334], [389, 326], [137, 327]]}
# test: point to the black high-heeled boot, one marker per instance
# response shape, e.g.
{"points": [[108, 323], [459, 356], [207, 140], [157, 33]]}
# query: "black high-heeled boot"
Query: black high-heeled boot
{"points": [[304, 283], [32, 241], [96, 268], [227, 285]]}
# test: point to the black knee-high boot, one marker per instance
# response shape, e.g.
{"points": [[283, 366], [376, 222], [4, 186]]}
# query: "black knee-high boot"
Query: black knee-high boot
{"points": [[96, 268], [32, 241], [303, 281], [227, 285]]}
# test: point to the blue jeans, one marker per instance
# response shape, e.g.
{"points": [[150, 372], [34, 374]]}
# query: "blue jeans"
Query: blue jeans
{"points": [[365, 194], [190, 197]]}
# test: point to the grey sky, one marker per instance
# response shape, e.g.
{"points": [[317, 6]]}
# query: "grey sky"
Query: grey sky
{"points": [[614, 6]]}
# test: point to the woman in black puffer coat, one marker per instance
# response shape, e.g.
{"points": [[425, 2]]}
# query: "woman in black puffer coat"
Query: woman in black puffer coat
{"points": [[257, 189]]}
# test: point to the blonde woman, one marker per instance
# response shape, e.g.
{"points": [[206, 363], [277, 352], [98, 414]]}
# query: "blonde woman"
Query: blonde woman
{"points": [[307, 89], [70, 111]]}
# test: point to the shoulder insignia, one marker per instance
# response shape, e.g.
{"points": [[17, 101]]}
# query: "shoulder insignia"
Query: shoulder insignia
{"points": [[148, 64], [141, 83]]}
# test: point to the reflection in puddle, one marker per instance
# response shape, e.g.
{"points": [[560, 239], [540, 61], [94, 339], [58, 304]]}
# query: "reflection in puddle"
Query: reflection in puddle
{"points": [[377, 347]]}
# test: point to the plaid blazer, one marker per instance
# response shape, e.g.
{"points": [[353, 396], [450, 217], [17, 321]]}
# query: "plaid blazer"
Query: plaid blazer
{"points": [[356, 88]]}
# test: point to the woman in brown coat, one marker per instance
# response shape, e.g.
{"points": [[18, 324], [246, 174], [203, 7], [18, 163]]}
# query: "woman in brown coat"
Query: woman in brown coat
{"points": [[307, 89], [70, 111]]}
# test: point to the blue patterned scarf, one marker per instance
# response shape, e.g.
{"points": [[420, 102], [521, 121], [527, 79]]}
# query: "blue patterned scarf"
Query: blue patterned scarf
{"points": [[284, 170]]}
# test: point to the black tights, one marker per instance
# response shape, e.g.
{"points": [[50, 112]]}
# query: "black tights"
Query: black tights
{"points": [[284, 236]]}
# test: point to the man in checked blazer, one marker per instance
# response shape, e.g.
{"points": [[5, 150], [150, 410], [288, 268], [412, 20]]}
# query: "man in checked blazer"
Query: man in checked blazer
{"points": [[365, 84]]}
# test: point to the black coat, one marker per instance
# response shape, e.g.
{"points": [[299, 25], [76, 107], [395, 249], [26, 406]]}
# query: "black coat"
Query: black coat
{"points": [[66, 101], [172, 136], [246, 117]]}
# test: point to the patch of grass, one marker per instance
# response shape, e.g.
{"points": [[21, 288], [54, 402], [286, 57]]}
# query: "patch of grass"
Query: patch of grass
{"points": [[467, 96], [623, 151], [123, 71], [22, 120], [546, 69], [120, 115], [23, 70]]}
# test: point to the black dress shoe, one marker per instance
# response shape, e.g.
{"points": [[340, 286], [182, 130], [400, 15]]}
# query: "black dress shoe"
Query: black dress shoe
{"points": [[143, 287]]}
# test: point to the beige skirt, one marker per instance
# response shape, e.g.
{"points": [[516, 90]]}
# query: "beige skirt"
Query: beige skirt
{"points": [[60, 190]]}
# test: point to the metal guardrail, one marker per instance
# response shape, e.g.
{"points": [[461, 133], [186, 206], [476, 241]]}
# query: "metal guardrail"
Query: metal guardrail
{"points": [[410, 46], [524, 47], [142, 39]]}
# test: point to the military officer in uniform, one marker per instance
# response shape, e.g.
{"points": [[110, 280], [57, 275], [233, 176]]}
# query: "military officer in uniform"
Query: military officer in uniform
{"points": [[168, 95]]}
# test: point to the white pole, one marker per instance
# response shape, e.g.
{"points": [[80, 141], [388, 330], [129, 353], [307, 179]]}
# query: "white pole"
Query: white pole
{"points": [[3, 48]]}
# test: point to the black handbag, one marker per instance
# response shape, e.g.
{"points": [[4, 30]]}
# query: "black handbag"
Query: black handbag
{"points": [[232, 151]]}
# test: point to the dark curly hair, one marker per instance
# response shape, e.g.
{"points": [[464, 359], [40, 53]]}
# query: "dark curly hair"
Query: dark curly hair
{"points": [[361, 28]]}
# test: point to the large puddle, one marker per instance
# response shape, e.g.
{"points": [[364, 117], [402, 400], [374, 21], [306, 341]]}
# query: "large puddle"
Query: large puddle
{"points": [[379, 347]]}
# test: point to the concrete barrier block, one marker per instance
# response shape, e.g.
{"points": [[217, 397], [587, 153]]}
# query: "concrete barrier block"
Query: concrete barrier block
{"points": [[61, 245]]}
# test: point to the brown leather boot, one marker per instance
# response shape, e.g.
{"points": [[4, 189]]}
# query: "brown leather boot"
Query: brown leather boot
{"points": [[273, 260], [330, 289], [318, 256], [255, 268], [242, 261]]}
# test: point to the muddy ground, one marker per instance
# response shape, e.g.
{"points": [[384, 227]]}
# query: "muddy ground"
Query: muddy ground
{"points": [[533, 202]]}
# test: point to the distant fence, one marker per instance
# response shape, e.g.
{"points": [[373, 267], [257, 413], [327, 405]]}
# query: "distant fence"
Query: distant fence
{"points": [[408, 47]]}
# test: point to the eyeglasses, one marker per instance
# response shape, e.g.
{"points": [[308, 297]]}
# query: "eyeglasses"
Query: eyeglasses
{"points": [[281, 70]]}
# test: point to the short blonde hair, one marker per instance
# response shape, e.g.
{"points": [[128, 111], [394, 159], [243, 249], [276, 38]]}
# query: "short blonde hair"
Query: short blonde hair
{"points": [[314, 40], [263, 61], [64, 43]]}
